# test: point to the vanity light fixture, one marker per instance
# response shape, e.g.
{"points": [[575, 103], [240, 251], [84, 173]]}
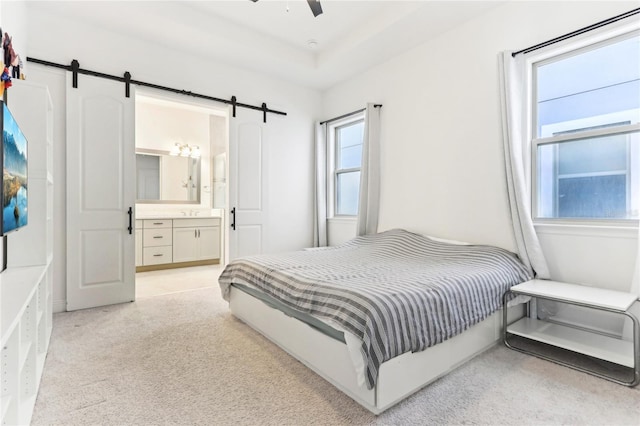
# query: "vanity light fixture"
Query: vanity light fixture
{"points": [[175, 150], [185, 150]]}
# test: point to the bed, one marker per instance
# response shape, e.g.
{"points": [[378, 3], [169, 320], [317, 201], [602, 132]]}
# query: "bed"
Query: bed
{"points": [[379, 316]]}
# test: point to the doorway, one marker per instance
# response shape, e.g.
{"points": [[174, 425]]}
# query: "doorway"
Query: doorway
{"points": [[181, 148]]}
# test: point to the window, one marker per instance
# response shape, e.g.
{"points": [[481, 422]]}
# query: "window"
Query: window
{"points": [[345, 143], [586, 133]]}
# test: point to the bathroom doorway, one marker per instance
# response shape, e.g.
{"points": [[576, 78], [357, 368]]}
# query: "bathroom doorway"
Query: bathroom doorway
{"points": [[181, 193]]}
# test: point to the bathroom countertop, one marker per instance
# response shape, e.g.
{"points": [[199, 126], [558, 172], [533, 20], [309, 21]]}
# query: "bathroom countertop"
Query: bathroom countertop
{"points": [[149, 217], [178, 215]]}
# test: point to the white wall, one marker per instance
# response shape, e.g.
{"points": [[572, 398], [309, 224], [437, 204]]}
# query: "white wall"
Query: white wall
{"points": [[14, 21], [442, 167], [56, 39]]}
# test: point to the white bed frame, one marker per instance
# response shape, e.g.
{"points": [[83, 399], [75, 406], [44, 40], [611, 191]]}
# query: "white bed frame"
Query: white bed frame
{"points": [[398, 377]]}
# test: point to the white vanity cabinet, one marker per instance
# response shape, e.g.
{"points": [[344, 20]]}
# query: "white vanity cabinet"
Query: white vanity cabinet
{"points": [[157, 242], [139, 243], [196, 239], [177, 242]]}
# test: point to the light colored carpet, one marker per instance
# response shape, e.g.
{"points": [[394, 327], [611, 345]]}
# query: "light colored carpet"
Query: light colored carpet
{"points": [[183, 358]]}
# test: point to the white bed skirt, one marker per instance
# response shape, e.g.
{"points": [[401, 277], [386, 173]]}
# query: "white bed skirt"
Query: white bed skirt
{"points": [[398, 377]]}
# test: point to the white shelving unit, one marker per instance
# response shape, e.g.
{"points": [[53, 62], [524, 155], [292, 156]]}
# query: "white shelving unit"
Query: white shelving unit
{"points": [[26, 302], [618, 351]]}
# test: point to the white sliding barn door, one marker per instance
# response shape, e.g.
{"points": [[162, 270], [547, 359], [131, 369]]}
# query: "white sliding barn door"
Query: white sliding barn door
{"points": [[100, 191], [247, 184]]}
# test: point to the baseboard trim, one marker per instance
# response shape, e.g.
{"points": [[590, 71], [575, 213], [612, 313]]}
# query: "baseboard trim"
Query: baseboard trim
{"points": [[59, 306], [177, 265]]}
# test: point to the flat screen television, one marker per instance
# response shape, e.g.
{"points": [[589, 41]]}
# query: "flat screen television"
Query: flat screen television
{"points": [[14, 174]]}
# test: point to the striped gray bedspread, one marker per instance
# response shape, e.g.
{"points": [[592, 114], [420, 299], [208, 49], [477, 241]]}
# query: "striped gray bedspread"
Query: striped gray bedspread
{"points": [[397, 291]]}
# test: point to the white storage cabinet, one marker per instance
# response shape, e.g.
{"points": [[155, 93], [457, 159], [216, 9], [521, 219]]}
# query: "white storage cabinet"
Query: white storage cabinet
{"points": [[26, 285]]}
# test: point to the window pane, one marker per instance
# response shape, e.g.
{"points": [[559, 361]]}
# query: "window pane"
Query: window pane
{"points": [[605, 154], [593, 197], [599, 87], [594, 178], [349, 145], [348, 190]]}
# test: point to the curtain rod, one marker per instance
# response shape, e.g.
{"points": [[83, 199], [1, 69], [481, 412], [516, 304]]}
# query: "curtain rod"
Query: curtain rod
{"points": [[578, 32], [127, 80], [348, 114]]}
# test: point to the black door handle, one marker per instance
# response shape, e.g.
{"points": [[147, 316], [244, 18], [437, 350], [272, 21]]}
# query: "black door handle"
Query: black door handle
{"points": [[130, 228], [233, 220]]}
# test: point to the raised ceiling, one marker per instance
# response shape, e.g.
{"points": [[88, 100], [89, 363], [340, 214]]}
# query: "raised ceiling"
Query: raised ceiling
{"points": [[281, 38]]}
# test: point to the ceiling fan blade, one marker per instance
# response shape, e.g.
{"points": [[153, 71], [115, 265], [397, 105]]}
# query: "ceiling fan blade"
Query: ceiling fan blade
{"points": [[315, 6]]}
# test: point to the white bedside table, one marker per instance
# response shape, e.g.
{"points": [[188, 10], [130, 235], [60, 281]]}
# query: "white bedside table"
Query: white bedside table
{"points": [[596, 345]]}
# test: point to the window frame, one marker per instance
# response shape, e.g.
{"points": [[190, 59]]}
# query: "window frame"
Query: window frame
{"points": [[332, 156], [535, 141]]}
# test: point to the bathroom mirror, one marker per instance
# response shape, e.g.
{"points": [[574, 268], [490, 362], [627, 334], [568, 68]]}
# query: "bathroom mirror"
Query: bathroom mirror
{"points": [[166, 179]]}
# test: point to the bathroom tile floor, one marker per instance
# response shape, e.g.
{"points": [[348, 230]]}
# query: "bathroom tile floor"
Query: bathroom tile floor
{"points": [[157, 283]]}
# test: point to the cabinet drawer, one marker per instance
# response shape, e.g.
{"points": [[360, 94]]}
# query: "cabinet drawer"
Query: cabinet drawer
{"points": [[196, 223], [157, 237], [157, 223], [157, 255]]}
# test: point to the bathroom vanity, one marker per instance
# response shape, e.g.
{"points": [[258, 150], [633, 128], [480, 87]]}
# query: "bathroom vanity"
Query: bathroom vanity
{"points": [[176, 242], [175, 224]]}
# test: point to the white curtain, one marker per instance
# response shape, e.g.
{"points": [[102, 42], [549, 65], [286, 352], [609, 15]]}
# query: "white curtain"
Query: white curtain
{"points": [[635, 283], [517, 158], [320, 199], [635, 289], [369, 202]]}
